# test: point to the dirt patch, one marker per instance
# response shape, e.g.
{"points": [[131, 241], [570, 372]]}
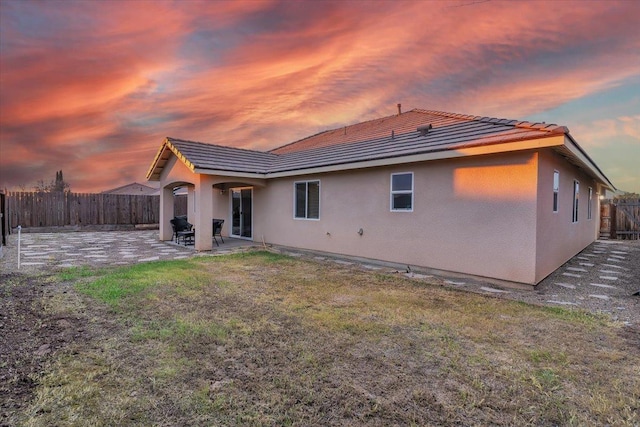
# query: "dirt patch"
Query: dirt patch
{"points": [[632, 337], [30, 336], [261, 339]]}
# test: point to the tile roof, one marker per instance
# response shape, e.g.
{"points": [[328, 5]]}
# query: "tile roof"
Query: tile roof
{"points": [[385, 138], [448, 132], [398, 124], [222, 158]]}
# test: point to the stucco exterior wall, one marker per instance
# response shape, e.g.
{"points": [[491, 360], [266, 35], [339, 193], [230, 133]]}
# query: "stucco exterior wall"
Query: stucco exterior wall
{"points": [[487, 215], [221, 210], [558, 237], [176, 172], [471, 215]]}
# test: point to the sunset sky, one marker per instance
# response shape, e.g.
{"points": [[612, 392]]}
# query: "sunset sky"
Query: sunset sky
{"points": [[92, 88]]}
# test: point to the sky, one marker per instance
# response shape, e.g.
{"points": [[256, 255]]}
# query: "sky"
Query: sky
{"points": [[92, 88]]}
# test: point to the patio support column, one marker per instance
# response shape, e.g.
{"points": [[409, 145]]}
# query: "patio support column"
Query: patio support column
{"points": [[191, 204], [166, 213], [203, 213]]}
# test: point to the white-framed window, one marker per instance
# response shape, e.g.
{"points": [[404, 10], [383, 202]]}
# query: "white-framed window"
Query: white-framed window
{"points": [[306, 199], [590, 204], [556, 189], [402, 192], [576, 196]]}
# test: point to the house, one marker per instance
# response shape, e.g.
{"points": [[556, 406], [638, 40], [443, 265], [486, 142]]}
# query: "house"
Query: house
{"points": [[497, 198], [134, 189]]}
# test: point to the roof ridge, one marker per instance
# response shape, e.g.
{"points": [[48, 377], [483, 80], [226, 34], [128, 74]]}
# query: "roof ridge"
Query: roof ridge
{"points": [[542, 126]]}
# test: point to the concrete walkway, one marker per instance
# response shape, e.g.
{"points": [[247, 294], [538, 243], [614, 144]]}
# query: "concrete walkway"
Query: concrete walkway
{"points": [[46, 251]]}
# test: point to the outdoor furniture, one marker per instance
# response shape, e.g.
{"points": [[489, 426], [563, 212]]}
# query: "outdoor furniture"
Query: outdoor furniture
{"points": [[188, 237], [182, 229], [217, 229]]}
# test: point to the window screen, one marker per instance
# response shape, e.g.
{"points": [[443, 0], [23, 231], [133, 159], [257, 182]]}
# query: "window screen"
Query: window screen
{"points": [[402, 191], [307, 200]]}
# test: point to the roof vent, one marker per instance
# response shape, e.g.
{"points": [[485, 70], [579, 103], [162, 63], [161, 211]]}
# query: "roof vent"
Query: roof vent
{"points": [[424, 129]]}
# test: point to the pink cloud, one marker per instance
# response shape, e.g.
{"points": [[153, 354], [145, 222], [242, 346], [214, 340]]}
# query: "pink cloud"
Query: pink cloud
{"points": [[84, 83]]}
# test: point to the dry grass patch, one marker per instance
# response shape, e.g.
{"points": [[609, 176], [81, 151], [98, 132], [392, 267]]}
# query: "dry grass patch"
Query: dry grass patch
{"points": [[263, 339]]}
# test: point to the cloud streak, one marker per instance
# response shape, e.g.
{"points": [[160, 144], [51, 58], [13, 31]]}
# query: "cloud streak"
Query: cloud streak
{"points": [[94, 86]]}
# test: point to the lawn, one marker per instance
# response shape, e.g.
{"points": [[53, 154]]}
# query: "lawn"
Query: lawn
{"points": [[264, 339]]}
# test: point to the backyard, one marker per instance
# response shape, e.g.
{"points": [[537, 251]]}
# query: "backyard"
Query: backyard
{"points": [[259, 338]]}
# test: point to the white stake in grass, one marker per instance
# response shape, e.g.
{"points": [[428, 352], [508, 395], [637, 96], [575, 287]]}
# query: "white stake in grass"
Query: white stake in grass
{"points": [[19, 229]]}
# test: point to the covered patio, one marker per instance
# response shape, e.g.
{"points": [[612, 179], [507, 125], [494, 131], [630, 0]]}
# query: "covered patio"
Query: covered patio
{"points": [[214, 191]]}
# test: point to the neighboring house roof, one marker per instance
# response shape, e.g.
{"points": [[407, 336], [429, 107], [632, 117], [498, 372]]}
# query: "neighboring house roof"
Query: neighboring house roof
{"points": [[133, 188], [416, 135]]}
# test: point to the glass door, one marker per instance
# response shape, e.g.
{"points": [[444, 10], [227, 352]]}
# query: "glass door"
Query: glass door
{"points": [[241, 212]]}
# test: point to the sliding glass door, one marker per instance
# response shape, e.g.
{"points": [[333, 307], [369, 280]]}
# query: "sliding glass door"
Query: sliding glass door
{"points": [[241, 212]]}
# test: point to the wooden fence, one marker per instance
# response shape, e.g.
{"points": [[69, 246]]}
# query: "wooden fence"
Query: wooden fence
{"points": [[4, 223], [180, 204], [80, 209], [620, 219]]}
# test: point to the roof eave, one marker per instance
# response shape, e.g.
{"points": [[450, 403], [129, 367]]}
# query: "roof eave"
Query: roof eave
{"points": [[156, 169], [589, 164], [151, 172], [233, 173], [553, 140]]}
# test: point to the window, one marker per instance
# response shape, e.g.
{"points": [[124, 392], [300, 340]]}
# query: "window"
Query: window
{"points": [[402, 192], [576, 193], [590, 204], [307, 200], [556, 188]]}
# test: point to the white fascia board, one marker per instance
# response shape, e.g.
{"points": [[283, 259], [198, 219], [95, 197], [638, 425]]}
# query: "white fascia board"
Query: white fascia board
{"points": [[437, 155], [219, 172], [160, 155], [180, 156]]}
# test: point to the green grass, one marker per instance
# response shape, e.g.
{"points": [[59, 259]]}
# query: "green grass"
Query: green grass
{"points": [[263, 339], [112, 287]]}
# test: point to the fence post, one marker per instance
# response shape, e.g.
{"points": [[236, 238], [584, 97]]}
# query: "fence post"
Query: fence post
{"points": [[612, 222]]}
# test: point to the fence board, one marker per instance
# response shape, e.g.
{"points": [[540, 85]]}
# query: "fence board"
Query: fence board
{"points": [[628, 219], [32, 209], [180, 204], [622, 218]]}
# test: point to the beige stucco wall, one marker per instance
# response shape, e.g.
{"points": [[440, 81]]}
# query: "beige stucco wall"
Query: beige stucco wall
{"points": [[485, 215], [471, 215], [558, 238]]}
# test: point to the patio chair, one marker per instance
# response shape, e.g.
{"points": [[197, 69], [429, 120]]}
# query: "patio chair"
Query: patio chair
{"points": [[217, 229], [182, 229]]}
